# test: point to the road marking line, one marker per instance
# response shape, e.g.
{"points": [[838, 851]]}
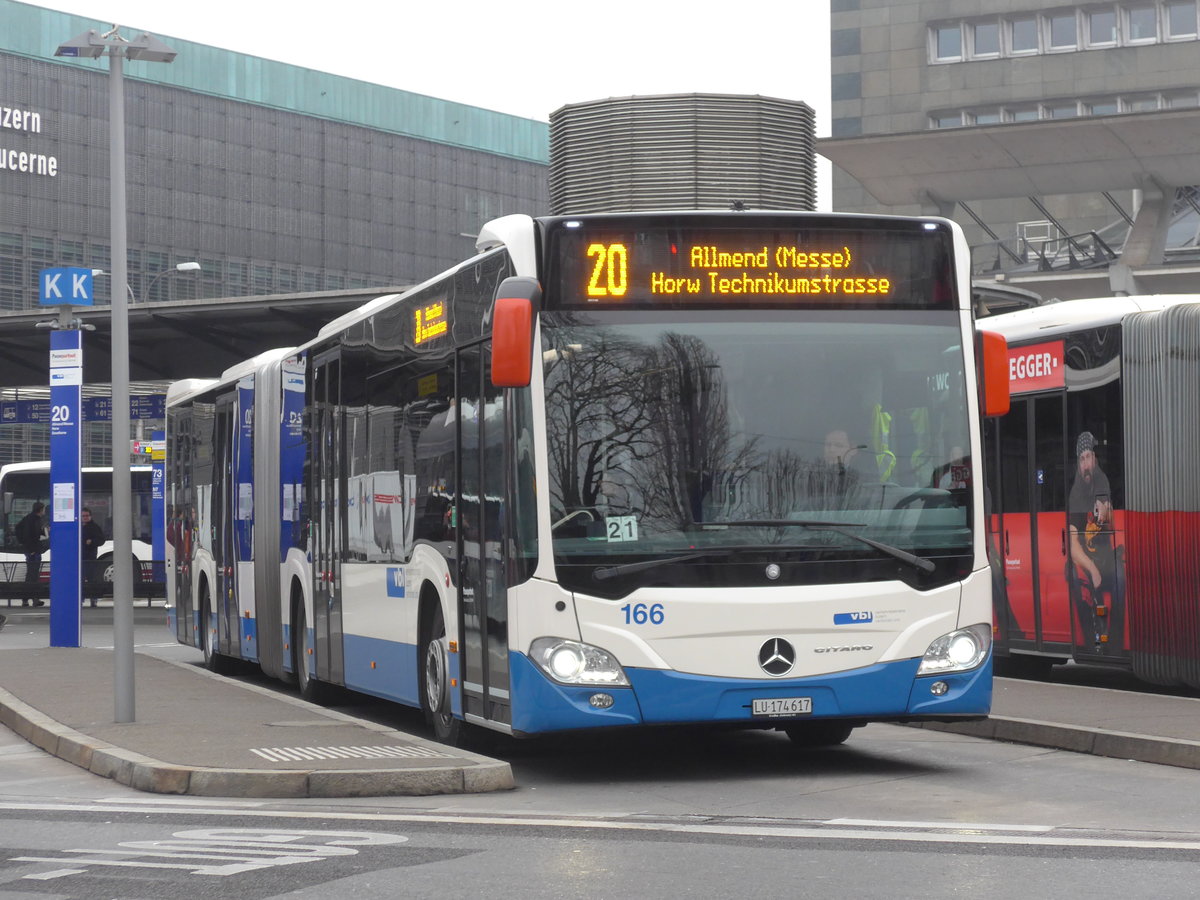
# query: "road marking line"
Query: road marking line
{"points": [[57, 873], [806, 831], [957, 826], [302, 754]]}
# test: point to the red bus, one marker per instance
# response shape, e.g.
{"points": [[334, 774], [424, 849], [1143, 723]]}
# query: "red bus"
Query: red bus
{"points": [[1094, 517]]}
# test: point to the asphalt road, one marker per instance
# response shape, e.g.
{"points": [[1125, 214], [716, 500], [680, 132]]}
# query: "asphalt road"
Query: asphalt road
{"points": [[897, 812]]}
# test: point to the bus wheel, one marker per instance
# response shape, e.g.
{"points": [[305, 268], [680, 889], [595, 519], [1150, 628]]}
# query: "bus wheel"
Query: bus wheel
{"points": [[311, 689], [435, 683], [213, 661], [106, 567], [818, 733]]}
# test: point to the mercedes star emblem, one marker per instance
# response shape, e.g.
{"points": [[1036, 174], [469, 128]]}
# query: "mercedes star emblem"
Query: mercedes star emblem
{"points": [[777, 657]]}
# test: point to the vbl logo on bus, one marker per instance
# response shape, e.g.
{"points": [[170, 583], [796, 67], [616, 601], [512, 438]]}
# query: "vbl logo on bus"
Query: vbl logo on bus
{"points": [[853, 618]]}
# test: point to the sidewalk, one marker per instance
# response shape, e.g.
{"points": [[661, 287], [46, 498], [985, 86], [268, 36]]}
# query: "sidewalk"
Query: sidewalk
{"points": [[1150, 728], [208, 735]]}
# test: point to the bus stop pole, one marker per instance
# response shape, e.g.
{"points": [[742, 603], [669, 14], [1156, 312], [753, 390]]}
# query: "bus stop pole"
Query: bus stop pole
{"points": [[121, 481]]}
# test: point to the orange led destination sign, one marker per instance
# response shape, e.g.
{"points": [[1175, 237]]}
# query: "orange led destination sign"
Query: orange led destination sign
{"points": [[771, 270], [429, 321], [674, 267]]}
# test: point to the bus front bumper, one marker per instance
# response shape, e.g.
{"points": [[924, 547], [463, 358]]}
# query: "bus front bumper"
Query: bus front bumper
{"points": [[884, 691]]}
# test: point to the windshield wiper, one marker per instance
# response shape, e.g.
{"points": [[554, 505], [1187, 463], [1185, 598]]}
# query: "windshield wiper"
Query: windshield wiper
{"points": [[627, 568], [917, 562]]}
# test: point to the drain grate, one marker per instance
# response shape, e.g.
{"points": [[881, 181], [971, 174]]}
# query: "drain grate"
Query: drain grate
{"points": [[300, 754]]}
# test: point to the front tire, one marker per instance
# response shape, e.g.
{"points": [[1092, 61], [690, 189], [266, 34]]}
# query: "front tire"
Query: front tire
{"points": [[435, 682], [827, 733]]}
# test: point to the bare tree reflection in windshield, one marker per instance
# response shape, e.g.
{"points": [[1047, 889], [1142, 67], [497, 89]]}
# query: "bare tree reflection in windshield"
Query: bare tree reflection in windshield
{"points": [[696, 461]]}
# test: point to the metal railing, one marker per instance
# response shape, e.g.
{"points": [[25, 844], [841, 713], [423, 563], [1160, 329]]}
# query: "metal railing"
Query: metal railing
{"points": [[1076, 251], [147, 583]]}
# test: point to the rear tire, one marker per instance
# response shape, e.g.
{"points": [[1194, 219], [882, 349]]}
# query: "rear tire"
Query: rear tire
{"points": [[213, 661], [311, 689], [818, 733], [434, 678]]}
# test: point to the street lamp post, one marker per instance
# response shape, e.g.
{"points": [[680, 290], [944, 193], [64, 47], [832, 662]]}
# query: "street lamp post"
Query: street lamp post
{"points": [[179, 267], [145, 47]]}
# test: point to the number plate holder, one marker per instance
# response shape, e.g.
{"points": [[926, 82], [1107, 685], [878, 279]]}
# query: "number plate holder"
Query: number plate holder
{"points": [[780, 707]]}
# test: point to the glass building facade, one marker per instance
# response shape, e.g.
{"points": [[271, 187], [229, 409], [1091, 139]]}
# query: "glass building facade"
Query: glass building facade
{"points": [[277, 179]]}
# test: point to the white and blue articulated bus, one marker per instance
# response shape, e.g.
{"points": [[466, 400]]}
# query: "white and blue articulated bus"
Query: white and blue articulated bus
{"points": [[614, 470]]}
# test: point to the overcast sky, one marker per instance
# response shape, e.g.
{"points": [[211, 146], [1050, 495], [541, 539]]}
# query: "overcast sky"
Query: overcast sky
{"points": [[526, 57]]}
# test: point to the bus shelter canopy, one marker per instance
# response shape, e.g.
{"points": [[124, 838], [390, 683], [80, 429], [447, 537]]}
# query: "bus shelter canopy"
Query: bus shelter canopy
{"points": [[177, 339], [1026, 159]]}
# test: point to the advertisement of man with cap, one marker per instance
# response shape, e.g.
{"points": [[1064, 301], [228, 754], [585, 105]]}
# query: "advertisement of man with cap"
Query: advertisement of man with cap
{"points": [[1095, 572]]}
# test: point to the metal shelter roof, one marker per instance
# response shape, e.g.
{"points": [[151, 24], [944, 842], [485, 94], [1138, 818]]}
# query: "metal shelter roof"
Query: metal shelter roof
{"points": [[178, 339], [1055, 156]]}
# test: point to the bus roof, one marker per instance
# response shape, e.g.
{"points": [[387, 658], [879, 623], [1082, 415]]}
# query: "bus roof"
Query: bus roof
{"points": [[1075, 315], [187, 387], [346, 319], [246, 367], [43, 465]]}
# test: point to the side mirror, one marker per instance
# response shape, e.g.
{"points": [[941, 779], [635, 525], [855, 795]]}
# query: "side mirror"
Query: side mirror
{"points": [[512, 331], [993, 369]]}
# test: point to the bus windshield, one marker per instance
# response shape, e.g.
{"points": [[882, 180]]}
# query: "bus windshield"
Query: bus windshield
{"points": [[814, 437]]}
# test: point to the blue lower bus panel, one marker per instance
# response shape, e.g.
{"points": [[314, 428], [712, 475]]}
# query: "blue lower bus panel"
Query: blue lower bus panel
{"points": [[658, 697]]}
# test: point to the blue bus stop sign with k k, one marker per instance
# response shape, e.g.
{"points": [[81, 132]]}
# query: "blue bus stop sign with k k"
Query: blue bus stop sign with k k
{"points": [[66, 285]]}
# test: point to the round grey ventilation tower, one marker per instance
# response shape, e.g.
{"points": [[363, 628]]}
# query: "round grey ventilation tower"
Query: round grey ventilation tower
{"points": [[682, 151]]}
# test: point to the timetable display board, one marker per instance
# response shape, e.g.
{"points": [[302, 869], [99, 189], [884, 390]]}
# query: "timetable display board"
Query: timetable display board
{"points": [[748, 260]]}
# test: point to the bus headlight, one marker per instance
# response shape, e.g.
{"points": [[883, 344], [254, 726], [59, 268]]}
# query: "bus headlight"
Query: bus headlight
{"points": [[570, 662], [958, 651]]}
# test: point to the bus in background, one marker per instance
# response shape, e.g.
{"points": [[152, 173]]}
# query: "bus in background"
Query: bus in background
{"points": [[23, 484], [1095, 514], [614, 470]]}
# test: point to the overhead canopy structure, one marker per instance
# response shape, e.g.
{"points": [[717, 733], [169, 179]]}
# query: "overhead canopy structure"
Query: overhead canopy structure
{"points": [[178, 339], [1024, 159], [1152, 152]]}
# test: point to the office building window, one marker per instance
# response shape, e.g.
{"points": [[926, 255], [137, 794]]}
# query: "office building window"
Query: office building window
{"points": [[1102, 28], [12, 271], [1142, 27], [985, 117], [70, 253], [1062, 110], [1142, 103], [1066, 108], [1023, 34], [947, 42], [985, 39], [1062, 32], [264, 279], [1085, 27], [1181, 19], [41, 249], [947, 120]]}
